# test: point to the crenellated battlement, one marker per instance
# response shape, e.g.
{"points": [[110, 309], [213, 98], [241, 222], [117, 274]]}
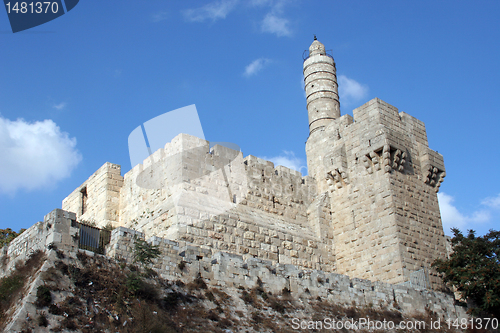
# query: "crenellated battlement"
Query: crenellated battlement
{"points": [[216, 198], [367, 209], [382, 180]]}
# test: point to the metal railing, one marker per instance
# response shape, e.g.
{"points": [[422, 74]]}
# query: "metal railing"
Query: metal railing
{"points": [[92, 238], [305, 54]]}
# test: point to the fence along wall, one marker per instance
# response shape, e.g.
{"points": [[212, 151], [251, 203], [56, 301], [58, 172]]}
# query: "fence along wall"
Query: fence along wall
{"points": [[230, 270], [92, 238], [59, 228]]}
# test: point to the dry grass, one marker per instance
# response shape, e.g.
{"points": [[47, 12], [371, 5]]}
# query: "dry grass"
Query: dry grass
{"points": [[11, 287], [112, 297]]}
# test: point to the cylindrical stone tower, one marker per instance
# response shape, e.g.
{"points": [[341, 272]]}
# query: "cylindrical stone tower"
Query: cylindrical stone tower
{"points": [[321, 87]]}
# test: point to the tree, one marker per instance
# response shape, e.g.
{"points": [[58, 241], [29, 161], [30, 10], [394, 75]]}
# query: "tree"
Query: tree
{"points": [[474, 270], [7, 235], [145, 252]]}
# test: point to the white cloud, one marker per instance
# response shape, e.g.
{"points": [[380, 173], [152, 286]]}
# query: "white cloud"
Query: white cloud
{"points": [[277, 6], [255, 66], [492, 202], [159, 16], [453, 218], [60, 106], [34, 155], [212, 11], [351, 91], [273, 21], [259, 3], [274, 24], [289, 160]]}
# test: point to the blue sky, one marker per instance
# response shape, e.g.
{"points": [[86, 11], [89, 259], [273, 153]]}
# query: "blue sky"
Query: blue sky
{"points": [[73, 89]]}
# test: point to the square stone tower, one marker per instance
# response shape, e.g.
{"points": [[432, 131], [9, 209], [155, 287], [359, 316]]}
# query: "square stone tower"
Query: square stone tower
{"points": [[381, 178]]}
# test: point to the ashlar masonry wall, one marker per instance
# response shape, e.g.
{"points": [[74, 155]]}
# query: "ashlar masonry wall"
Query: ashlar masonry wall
{"points": [[97, 199], [368, 209], [181, 261], [216, 199], [56, 228], [382, 179]]}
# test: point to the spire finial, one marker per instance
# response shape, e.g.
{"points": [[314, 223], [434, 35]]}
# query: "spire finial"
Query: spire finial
{"points": [[315, 37]]}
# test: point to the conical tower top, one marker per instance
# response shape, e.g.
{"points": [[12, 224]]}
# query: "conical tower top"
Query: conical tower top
{"points": [[316, 48]]}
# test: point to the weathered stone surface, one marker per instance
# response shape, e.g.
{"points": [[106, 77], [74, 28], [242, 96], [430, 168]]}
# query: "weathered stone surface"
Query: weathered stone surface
{"points": [[368, 208], [182, 261], [381, 179]]}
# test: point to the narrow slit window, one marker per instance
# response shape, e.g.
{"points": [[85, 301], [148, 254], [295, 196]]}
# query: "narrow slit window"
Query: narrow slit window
{"points": [[84, 200]]}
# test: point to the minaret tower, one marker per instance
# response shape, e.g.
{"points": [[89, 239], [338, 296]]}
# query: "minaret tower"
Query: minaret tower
{"points": [[377, 177], [321, 87]]}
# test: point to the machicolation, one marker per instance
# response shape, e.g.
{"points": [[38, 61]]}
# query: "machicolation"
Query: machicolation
{"points": [[363, 226]]}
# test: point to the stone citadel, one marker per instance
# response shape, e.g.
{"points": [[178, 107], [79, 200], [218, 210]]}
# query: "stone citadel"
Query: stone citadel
{"points": [[362, 229], [368, 208]]}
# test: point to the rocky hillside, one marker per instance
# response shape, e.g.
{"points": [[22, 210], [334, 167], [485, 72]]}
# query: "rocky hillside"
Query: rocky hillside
{"points": [[62, 291]]}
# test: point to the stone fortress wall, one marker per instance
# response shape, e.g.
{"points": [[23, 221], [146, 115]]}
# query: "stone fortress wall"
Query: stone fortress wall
{"points": [[381, 179], [368, 208], [56, 228], [357, 228], [217, 199], [375, 224], [97, 199], [181, 261], [225, 269], [375, 169]]}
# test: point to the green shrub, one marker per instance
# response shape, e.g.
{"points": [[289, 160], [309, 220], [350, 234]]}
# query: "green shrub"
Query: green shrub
{"points": [[43, 297], [133, 283], [42, 320], [145, 252], [278, 307], [9, 285], [149, 273], [473, 269]]}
